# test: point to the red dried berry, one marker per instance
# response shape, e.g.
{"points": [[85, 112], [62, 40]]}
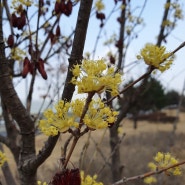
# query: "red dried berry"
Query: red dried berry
{"points": [[74, 177], [30, 49], [41, 3], [120, 20], [10, 41], [112, 59], [14, 20], [100, 16], [62, 7], [57, 7], [58, 31], [67, 177], [119, 44], [52, 37], [40, 67], [21, 21], [26, 67], [68, 8]]}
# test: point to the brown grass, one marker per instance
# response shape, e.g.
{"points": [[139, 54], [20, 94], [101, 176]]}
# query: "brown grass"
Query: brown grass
{"points": [[137, 149]]}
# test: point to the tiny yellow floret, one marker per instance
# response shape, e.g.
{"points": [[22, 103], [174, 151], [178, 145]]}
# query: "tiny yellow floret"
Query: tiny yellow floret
{"points": [[150, 180], [89, 180], [41, 183], [99, 115], [3, 158], [163, 160], [95, 76], [99, 5], [156, 57]]}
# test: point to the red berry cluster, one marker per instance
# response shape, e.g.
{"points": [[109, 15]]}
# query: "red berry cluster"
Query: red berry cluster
{"points": [[101, 17], [29, 67], [19, 22], [54, 37], [10, 41], [63, 7], [119, 44], [68, 177]]}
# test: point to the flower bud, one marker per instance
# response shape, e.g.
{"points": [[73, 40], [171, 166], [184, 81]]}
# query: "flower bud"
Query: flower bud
{"points": [[26, 67], [68, 8], [58, 31], [14, 20], [57, 7], [40, 67], [21, 21], [10, 41]]}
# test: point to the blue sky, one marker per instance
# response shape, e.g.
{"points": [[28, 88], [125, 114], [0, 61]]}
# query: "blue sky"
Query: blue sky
{"points": [[152, 15]]}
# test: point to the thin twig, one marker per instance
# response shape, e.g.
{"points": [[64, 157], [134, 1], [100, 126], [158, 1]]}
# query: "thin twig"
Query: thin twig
{"points": [[148, 174], [146, 74], [75, 140]]}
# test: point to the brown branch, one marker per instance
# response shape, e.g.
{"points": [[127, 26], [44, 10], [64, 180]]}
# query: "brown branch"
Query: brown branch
{"points": [[121, 35], [75, 140], [161, 36], [44, 153], [78, 45], [146, 74], [148, 174]]}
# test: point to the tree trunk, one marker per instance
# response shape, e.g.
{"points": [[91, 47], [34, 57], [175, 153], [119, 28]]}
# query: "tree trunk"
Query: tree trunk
{"points": [[115, 159]]}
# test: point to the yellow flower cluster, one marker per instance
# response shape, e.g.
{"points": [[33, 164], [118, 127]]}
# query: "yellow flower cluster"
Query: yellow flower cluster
{"points": [[3, 158], [41, 183], [177, 9], [95, 76], [150, 180], [99, 5], [67, 116], [163, 160], [17, 5], [17, 54], [156, 56], [88, 180], [99, 116], [167, 23], [59, 121]]}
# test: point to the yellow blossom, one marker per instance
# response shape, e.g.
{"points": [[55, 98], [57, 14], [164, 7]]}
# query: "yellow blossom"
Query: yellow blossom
{"points": [[178, 13], [167, 23], [61, 120], [163, 160], [3, 158], [67, 115], [41, 183], [99, 5], [89, 180], [176, 8], [150, 180], [95, 76], [17, 54], [156, 56], [99, 115], [17, 4]]}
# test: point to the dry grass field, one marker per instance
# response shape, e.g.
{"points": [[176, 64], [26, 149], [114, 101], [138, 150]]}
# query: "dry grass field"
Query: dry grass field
{"points": [[137, 149]]}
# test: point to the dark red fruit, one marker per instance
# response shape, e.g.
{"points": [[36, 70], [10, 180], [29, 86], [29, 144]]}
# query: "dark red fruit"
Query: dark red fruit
{"points": [[40, 67], [10, 41], [26, 67], [58, 31]]}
